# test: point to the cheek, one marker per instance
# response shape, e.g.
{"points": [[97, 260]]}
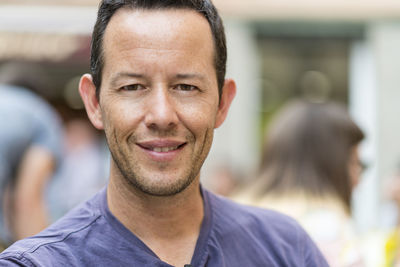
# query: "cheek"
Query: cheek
{"points": [[198, 116], [118, 116]]}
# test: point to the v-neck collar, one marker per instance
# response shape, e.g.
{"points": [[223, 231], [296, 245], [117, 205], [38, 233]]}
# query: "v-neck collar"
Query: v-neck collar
{"points": [[200, 254]]}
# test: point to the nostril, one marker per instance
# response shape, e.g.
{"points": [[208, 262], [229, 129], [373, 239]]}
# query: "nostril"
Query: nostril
{"points": [[161, 127], [164, 119]]}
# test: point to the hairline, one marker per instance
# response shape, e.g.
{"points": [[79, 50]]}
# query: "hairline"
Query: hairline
{"points": [[101, 60]]}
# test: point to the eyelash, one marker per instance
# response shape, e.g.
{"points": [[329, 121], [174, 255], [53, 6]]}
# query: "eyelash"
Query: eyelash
{"points": [[180, 87], [186, 87], [136, 87]]}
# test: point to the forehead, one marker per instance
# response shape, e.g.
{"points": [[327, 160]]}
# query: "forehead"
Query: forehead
{"points": [[161, 29]]}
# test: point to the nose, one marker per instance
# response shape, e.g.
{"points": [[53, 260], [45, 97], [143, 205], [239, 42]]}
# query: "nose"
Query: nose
{"points": [[161, 110]]}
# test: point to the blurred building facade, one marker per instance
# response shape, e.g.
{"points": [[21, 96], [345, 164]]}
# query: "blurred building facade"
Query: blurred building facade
{"points": [[341, 50]]}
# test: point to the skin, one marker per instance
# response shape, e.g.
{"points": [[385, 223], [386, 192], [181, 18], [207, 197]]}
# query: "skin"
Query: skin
{"points": [[159, 107], [29, 214], [355, 168]]}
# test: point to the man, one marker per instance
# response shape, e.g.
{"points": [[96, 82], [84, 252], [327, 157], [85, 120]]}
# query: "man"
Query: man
{"points": [[157, 89], [30, 148]]}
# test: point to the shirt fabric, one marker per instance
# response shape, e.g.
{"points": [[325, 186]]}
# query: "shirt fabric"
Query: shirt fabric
{"points": [[26, 120], [231, 235], [324, 218]]}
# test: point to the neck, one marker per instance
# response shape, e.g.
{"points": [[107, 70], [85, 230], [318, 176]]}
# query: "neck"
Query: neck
{"points": [[168, 225]]}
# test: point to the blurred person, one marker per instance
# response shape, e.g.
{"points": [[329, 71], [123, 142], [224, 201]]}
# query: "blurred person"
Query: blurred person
{"points": [[392, 236], [30, 149], [82, 172], [158, 90], [309, 167]]}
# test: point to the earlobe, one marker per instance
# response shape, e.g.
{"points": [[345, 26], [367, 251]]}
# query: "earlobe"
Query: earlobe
{"points": [[87, 91], [228, 93]]}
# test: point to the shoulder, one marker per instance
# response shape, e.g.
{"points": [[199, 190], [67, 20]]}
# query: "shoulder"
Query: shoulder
{"points": [[226, 210], [42, 127], [20, 98], [21, 101], [61, 242], [265, 231]]}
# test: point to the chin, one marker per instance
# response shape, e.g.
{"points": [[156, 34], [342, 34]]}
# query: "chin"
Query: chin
{"points": [[160, 188]]}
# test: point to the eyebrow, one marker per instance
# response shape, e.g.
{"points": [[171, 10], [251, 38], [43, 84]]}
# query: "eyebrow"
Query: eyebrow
{"points": [[120, 75], [190, 76]]}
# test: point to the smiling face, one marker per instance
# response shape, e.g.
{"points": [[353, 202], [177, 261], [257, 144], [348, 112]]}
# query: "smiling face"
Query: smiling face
{"points": [[159, 100]]}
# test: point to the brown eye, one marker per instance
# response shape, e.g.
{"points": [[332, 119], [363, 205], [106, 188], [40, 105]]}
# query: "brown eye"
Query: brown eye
{"points": [[132, 87], [186, 87]]}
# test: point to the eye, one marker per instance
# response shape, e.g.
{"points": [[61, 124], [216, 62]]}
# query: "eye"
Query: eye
{"points": [[186, 87], [132, 87]]}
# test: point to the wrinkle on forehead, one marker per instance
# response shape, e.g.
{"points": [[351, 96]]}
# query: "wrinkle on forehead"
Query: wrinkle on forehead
{"points": [[139, 41], [143, 24]]}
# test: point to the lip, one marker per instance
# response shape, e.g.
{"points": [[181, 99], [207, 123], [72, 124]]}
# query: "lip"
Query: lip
{"points": [[167, 150]]}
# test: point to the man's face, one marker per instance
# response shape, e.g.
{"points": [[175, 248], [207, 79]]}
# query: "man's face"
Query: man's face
{"points": [[159, 97]]}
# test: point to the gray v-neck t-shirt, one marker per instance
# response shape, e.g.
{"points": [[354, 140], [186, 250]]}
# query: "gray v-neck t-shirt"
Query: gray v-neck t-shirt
{"points": [[231, 235]]}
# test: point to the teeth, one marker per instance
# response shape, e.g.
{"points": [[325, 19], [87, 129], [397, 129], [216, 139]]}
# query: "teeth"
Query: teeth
{"points": [[164, 149]]}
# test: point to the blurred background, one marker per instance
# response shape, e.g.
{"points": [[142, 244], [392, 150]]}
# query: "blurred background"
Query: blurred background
{"points": [[347, 51]]}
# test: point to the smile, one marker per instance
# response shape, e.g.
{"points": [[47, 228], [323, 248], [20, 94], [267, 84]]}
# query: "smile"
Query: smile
{"points": [[161, 146], [164, 149]]}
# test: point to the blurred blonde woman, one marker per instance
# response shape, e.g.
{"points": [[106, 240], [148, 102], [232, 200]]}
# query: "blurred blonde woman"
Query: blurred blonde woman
{"points": [[309, 167]]}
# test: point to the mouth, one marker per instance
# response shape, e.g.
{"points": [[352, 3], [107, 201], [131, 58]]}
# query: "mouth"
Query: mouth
{"points": [[161, 146], [164, 149]]}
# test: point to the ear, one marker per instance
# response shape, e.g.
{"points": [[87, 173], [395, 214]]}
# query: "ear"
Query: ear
{"points": [[87, 91], [228, 93]]}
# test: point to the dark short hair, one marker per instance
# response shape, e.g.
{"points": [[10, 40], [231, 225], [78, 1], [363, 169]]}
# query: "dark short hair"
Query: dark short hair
{"points": [[307, 149], [108, 8]]}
